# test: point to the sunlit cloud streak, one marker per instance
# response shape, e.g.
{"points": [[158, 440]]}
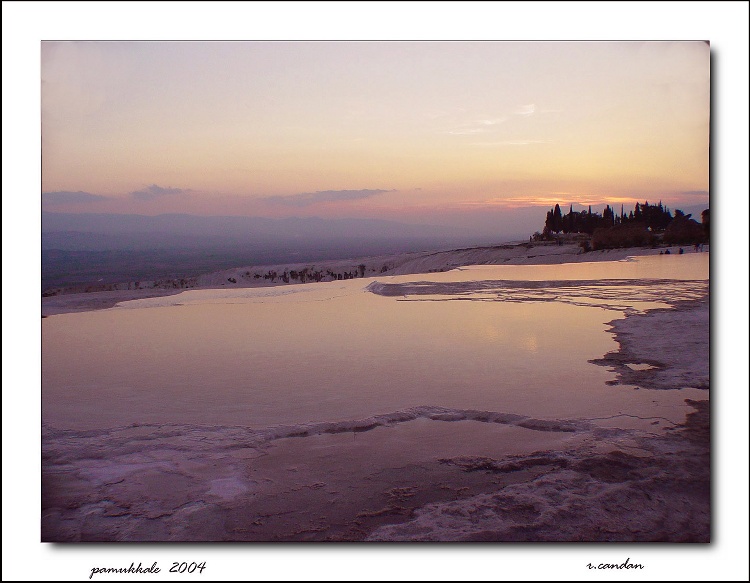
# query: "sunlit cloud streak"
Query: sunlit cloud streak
{"points": [[513, 201], [553, 198]]}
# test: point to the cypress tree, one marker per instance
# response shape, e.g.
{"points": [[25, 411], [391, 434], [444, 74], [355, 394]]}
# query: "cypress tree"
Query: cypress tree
{"points": [[557, 220]]}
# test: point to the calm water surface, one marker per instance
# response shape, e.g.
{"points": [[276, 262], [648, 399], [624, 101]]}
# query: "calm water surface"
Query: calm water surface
{"points": [[335, 351]]}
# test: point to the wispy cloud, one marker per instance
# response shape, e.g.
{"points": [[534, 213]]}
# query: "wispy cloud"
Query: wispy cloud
{"points": [[525, 110], [477, 126], [492, 122], [311, 198], [468, 131], [154, 191], [511, 143], [68, 197]]}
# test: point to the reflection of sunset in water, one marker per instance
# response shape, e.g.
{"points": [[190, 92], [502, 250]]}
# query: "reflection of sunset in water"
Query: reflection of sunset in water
{"points": [[529, 342], [493, 333], [331, 351]]}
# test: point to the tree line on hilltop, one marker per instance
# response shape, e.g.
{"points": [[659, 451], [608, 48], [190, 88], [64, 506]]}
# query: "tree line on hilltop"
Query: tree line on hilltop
{"points": [[646, 224]]}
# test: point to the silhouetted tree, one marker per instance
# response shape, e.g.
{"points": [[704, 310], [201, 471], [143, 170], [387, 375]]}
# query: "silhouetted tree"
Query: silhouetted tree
{"points": [[647, 217], [683, 230], [557, 219], [549, 224], [705, 216]]}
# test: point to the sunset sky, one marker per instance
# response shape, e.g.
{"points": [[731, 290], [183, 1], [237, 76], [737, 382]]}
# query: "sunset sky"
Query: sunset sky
{"points": [[103, 143], [431, 132]]}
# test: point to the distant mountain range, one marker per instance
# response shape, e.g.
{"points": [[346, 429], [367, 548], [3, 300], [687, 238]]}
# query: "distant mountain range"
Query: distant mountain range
{"points": [[88, 232], [83, 248]]}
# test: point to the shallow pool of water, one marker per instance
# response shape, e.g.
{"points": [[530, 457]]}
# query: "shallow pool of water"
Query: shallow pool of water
{"points": [[336, 351]]}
